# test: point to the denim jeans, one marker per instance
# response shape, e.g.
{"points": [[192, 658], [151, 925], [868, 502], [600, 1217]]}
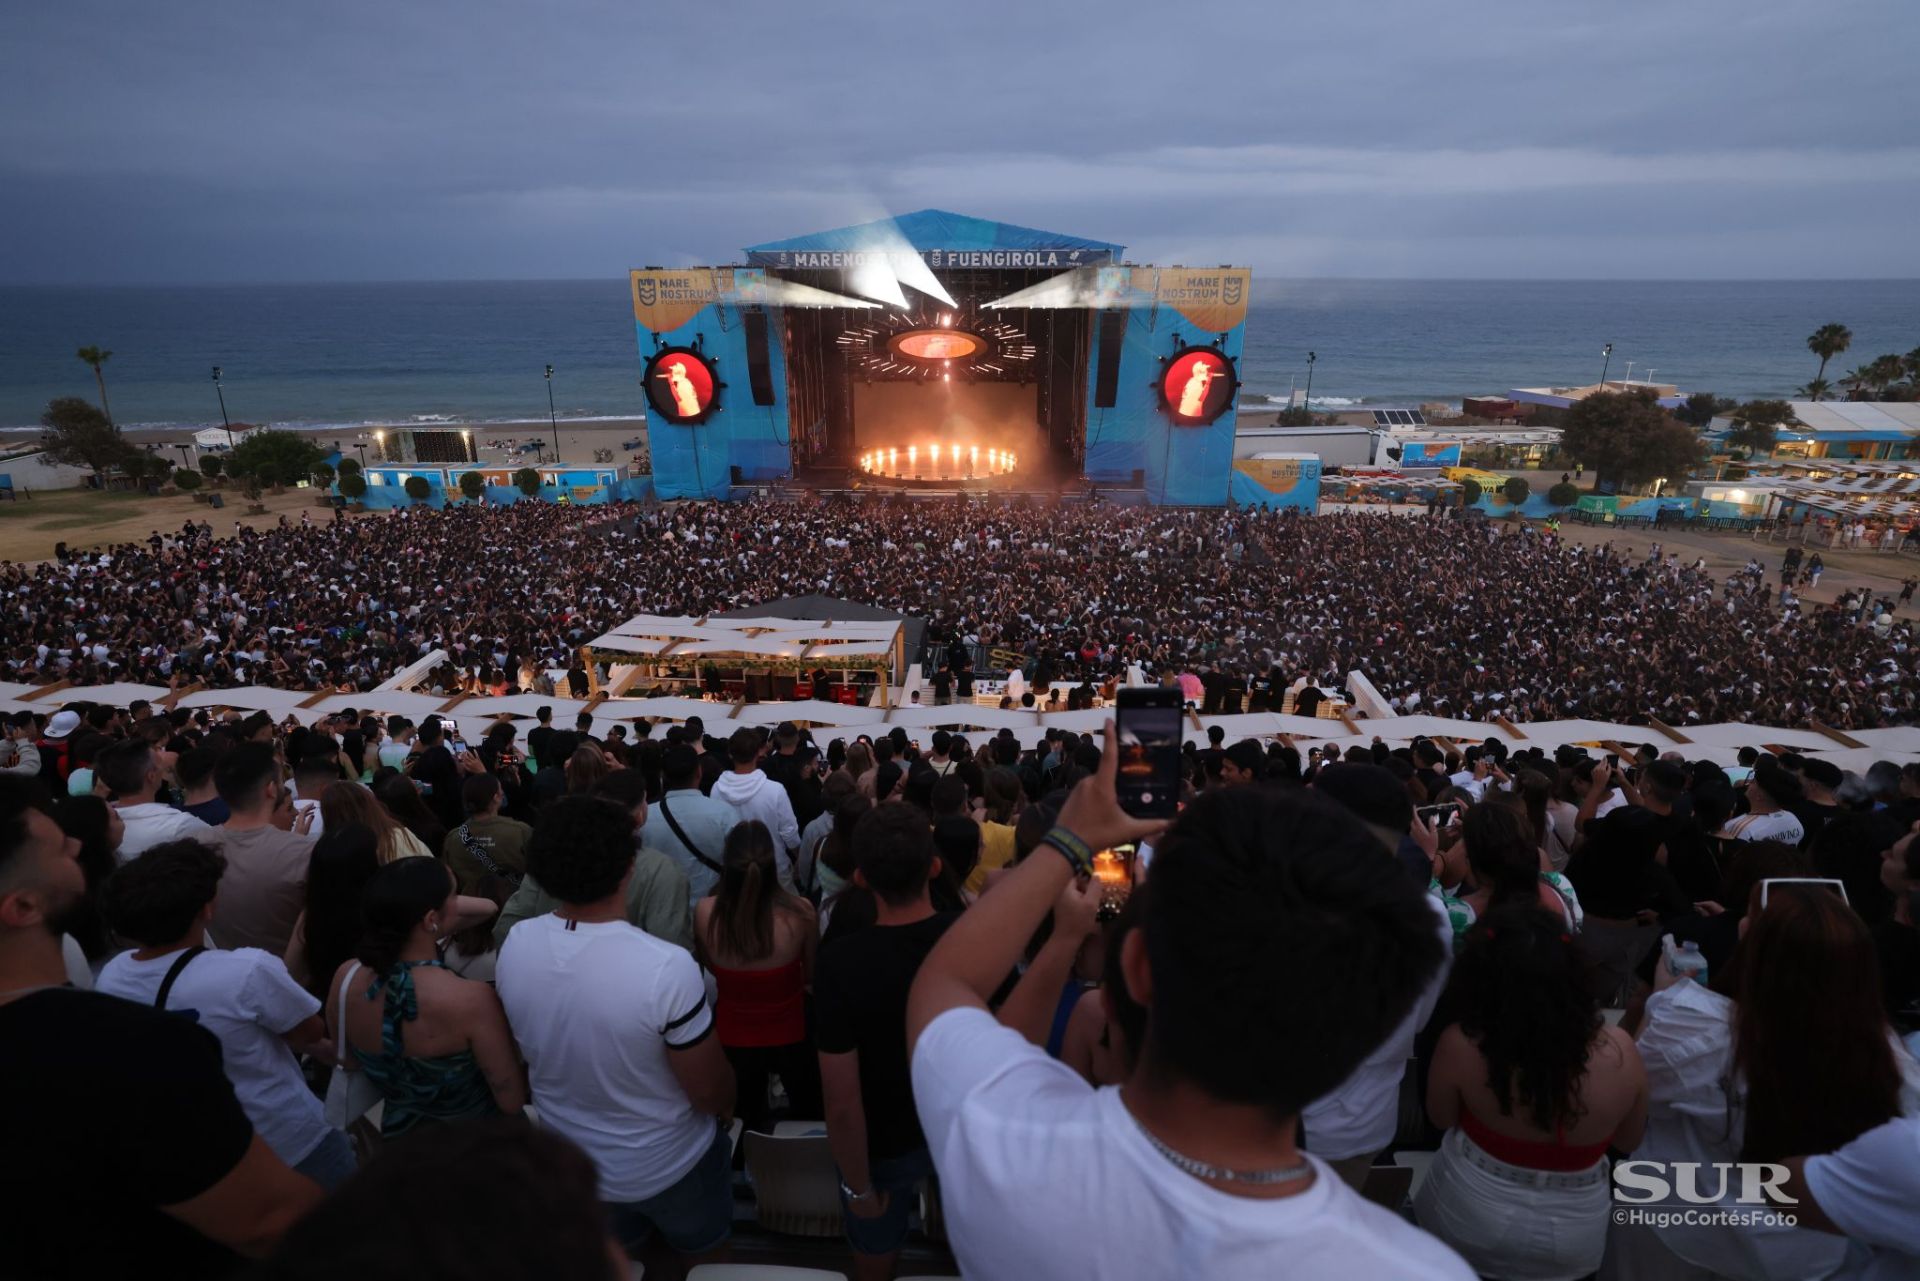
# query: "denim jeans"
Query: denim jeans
{"points": [[900, 1178], [695, 1215]]}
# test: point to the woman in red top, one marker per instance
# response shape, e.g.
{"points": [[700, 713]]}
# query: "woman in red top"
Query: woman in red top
{"points": [[1532, 1087], [759, 942]]}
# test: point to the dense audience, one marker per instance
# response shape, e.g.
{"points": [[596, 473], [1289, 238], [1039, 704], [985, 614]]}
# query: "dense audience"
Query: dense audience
{"points": [[1464, 620], [1124, 1047]]}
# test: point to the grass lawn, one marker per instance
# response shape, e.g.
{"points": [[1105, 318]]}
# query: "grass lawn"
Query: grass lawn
{"points": [[82, 518]]}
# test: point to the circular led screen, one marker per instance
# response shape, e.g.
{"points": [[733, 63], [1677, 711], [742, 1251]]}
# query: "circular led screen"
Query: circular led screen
{"points": [[936, 344], [680, 385], [1198, 386]]}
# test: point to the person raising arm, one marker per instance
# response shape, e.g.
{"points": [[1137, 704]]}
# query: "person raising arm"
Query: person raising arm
{"points": [[1278, 944]]}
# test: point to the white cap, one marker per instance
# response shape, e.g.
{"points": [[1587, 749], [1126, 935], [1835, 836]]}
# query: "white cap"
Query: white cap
{"points": [[63, 724]]}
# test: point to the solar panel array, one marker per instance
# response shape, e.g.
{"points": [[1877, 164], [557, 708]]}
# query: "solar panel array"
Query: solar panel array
{"points": [[1399, 418]]}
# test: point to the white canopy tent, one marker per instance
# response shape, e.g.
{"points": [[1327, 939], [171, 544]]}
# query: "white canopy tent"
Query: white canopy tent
{"points": [[220, 437]]}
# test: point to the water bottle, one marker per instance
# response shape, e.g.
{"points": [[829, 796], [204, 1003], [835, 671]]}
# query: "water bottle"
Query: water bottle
{"points": [[1684, 960]]}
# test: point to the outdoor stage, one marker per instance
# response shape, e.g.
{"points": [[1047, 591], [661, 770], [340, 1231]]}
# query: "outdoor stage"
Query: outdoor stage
{"points": [[940, 352]]}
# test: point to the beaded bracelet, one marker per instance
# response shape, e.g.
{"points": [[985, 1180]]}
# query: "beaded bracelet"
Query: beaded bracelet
{"points": [[1078, 853]]}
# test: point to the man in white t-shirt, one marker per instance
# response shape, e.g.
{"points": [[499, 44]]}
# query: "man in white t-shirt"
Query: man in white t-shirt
{"points": [[1279, 945], [163, 901], [617, 1034], [133, 771], [1769, 792], [1866, 1190]]}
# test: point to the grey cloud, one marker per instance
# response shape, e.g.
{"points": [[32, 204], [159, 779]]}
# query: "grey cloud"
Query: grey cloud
{"points": [[224, 140]]}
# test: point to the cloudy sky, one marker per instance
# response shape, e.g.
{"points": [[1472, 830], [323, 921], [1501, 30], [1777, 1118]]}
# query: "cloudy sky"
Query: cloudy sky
{"points": [[367, 139]]}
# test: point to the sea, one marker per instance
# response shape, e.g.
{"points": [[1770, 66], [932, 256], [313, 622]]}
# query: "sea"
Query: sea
{"points": [[349, 355]]}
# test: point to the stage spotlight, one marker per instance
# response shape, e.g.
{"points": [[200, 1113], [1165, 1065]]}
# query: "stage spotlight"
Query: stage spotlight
{"points": [[874, 278]]}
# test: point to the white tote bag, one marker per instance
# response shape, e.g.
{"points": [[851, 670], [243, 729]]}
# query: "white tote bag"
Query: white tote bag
{"points": [[351, 1093]]}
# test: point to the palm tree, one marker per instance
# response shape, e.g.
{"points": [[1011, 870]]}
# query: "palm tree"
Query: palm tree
{"points": [[1883, 372], [1855, 381], [1816, 389], [1827, 342], [96, 357], [1913, 366]]}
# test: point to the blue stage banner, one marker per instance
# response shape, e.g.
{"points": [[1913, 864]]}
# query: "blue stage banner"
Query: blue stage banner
{"points": [[1056, 259]]}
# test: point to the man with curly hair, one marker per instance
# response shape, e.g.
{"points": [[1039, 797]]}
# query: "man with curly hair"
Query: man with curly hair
{"points": [[617, 1033]]}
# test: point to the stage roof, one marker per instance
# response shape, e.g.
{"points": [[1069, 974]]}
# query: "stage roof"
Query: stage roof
{"points": [[932, 229]]}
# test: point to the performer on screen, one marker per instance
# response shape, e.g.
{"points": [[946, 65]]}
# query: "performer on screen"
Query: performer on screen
{"points": [[686, 401], [1193, 397]]}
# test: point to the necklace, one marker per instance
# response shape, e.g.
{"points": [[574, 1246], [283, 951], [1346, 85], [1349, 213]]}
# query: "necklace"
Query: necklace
{"points": [[1219, 1173]]}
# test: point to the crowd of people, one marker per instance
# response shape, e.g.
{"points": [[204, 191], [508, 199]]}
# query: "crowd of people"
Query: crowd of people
{"points": [[1466, 620], [1118, 1047]]}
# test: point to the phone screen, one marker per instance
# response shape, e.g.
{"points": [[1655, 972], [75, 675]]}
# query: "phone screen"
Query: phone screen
{"points": [[1116, 872], [1147, 724]]}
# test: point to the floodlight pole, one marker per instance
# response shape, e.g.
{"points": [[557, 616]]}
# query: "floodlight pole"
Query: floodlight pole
{"points": [[1606, 354], [223, 405], [552, 420]]}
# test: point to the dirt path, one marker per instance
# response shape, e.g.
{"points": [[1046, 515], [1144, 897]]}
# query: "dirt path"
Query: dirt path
{"points": [[83, 518]]}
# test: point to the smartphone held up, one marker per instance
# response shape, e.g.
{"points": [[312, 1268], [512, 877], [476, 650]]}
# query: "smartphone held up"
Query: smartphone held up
{"points": [[1147, 728]]}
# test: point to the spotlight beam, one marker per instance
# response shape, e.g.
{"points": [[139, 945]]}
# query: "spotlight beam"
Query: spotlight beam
{"points": [[789, 293], [1081, 287]]}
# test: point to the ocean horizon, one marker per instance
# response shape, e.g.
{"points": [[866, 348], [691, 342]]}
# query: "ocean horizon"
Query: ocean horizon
{"points": [[348, 355]]}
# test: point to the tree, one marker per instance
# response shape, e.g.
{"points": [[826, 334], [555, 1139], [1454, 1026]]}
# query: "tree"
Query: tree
{"points": [[137, 466], [1470, 492], [186, 481], [349, 467], [473, 485], [353, 486], [1815, 389], [97, 357], [1516, 489], [527, 481], [1294, 416], [211, 465], [78, 435], [1827, 342], [1757, 424], [323, 474], [1699, 409], [1883, 372], [1913, 366], [276, 456], [1626, 437], [1564, 494], [418, 489]]}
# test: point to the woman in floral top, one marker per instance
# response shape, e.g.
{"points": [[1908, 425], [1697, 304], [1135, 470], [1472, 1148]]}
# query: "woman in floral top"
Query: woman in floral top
{"points": [[1505, 866]]}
